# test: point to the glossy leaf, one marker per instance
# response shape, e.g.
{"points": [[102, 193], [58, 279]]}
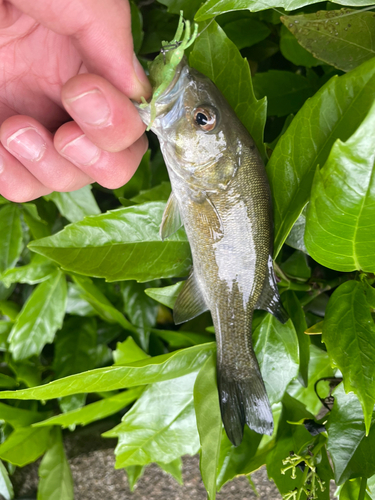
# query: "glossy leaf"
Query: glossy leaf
{"points": [[189, 7], [161, 192], [166, 295], [213, 8], [75, 347], [19, 417], [37, 271], [118, 245], [297, 315], [24, 445], [334, 36], [352, 453], [6, 487], [334, 112], [217, 57], [148, 371], [351, 489], [140, 309], [293, 51], [181, 338], [173, 468], [94, 411], [246, 32], [319, 367], [207, 409], [128, 352], [40, 318], [54, 472], [7, 382], [99, 302], [155, 431], [285, 91], [340, 217], [276, 348], [349, 335], [134, 473], [75, 205], [11, 243]]}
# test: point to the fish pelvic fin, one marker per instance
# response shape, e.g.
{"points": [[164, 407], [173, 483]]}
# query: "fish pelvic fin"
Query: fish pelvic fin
{"points": [[269, 299], [243, 400]]}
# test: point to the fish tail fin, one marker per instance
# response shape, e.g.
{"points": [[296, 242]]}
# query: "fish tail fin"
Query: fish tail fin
{"points": [[243, 399]]}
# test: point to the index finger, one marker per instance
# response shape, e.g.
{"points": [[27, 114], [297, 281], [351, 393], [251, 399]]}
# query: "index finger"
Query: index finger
{"points": [[101, 32]]}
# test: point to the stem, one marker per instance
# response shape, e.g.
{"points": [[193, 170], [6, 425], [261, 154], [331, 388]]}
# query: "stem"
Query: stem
{"points": [[362, 491]]}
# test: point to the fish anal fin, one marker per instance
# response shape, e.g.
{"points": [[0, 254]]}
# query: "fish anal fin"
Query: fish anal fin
{"points": [[171, 221], [269, 299], [190, 302]]}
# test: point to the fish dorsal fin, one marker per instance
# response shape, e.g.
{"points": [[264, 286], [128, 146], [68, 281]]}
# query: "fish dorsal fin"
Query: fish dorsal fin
{"points": [[269, 299], [190, 302], [171, 221]]}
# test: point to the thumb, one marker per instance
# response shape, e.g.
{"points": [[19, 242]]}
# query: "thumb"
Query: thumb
{"points": [[101, 33]]}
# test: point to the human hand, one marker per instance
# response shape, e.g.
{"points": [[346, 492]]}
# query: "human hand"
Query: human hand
{"points": [[60, 57]]}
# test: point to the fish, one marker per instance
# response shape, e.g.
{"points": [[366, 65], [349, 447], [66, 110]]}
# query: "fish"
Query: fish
{"points": [[220, 194]]}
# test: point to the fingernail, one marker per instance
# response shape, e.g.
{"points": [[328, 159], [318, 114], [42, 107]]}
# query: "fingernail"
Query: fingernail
{"points": [[81, 150], [1, 165], [91, 107], [27, 143], [141, 75]]}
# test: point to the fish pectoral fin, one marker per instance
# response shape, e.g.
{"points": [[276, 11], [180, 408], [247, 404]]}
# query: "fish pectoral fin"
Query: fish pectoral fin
{"points": [[171, 221], [190, 302], [269, 299]]}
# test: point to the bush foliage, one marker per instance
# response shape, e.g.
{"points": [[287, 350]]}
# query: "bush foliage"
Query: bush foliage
{"points": [[87, 286]]}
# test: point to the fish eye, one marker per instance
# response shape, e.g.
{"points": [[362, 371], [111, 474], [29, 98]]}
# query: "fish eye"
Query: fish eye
{"points": [[205, 118]]}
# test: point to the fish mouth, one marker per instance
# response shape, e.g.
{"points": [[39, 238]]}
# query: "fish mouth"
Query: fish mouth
{"points": [[165, 104]]}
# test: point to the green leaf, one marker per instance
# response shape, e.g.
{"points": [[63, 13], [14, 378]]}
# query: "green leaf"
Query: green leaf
{"points": [[334, 36], [335, 111], [75, 304], [119, 245], [276, 348], [350, 490], [137, 25], [9, 309], [352, 453], [213, 8], [75, 347], [27, 371], [207, 409], [294, 52], [319, 367], [349, 334], [7, 382], [296, 266], [94, 411], [37, 271], [38, 227], [11, 243], [154, 430], [166, 295], [128, 352], [157, 193], [134, 473], [189, 7], [55, 477], [139, 181], [217, 57], [181, 338], [285, 91], [173, 468], [75, 205], [40, 318], [25, 445], [140, 309], [148, 371], [297, 315], [18, 417], [339, 225], [234, 461], [6, 487], [99, 302], [246, 32], [296, 237]]}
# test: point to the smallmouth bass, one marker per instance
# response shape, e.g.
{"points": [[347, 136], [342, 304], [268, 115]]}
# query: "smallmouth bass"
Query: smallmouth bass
{"points": [[220, 193]]}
